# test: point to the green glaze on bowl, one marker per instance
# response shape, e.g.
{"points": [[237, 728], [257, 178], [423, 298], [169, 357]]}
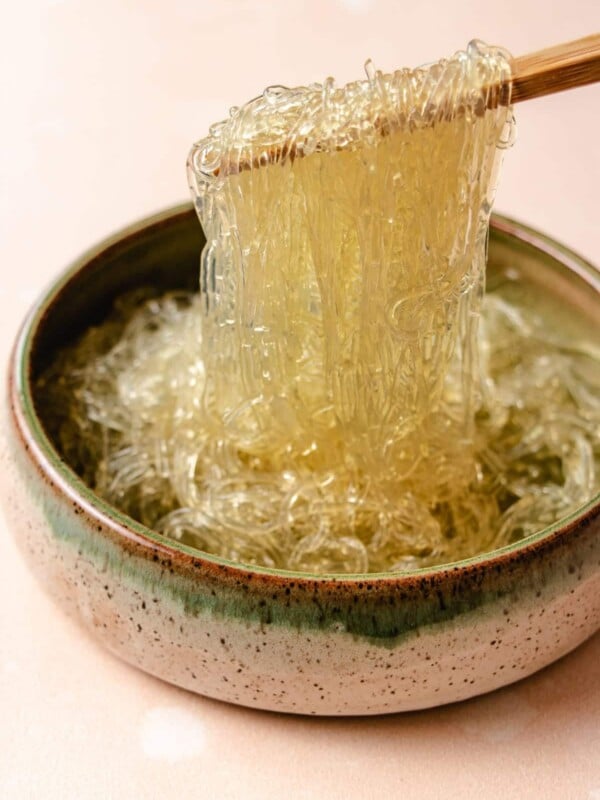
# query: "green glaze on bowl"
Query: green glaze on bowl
{"points": [[362, 644]]}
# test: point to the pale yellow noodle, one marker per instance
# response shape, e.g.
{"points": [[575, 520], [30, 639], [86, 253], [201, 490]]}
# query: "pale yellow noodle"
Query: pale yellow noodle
{"points": [[321, 405]]}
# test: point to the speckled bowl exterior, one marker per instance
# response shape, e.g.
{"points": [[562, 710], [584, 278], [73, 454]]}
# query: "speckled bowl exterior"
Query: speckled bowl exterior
{"points": [[270, 639]]}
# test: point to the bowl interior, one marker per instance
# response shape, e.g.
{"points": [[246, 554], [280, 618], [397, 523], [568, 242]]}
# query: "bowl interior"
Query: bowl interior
{"points": [[163, 253]]}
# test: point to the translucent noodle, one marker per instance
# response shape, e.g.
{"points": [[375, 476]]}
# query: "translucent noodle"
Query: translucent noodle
{"points": [[329, 402]]}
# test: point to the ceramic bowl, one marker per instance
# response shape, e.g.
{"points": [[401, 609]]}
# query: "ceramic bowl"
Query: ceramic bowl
{"points": [[365, 644]]}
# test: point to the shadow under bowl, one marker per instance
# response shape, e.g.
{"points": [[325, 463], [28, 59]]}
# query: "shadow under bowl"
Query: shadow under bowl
{"points": [[299, 643]]}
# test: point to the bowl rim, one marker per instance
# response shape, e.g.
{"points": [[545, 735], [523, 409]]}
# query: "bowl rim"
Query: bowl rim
{"points": [[133, 533]]}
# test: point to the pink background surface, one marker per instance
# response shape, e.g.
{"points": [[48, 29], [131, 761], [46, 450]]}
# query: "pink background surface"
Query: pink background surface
{"points": [[101, 102]]}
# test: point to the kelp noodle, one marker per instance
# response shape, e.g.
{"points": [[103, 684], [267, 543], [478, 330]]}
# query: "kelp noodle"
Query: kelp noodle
{"points": [[330, 401]]}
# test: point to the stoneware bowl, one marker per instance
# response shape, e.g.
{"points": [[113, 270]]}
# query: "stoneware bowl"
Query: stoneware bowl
{"points": [[277, 640]]}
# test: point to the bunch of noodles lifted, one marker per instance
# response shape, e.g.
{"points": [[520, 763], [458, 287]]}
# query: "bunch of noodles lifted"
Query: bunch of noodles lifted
{"points": [[336, 399]]}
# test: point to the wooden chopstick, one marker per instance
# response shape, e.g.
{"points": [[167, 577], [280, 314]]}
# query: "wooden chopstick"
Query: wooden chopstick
{"points": [[564, 66]]}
